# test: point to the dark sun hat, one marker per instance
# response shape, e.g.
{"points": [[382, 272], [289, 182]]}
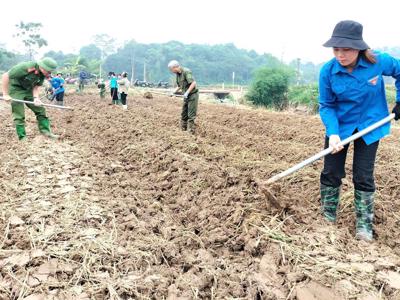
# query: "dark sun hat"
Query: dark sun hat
{"points": [[347, 34]]}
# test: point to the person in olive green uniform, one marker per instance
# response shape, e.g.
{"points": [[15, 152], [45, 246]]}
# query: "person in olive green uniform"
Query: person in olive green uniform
{"points": [[22, 82], [102, 88], [187, 85]]}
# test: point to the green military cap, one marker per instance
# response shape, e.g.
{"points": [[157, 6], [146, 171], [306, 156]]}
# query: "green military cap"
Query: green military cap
{"points": [[48, 64]]}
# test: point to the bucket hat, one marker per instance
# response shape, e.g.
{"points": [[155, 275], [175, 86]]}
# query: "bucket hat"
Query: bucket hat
{"points": [[48, 64], [347, 34]]}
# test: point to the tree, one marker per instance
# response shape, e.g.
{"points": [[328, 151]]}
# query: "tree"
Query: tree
{"points": [[90, 52], [9, 59], [307, 72], [60, 57], [270, 86], [210, 64], [74, 65], [106, 44], [29, 33], [5, 58]]}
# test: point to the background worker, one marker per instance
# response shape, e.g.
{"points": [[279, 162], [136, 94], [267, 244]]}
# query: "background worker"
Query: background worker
{"points": [[188, 86], [113, 83], [82, 80], [123, 84], [352, 97], [57, 83], [102, 88], [22, 82]]}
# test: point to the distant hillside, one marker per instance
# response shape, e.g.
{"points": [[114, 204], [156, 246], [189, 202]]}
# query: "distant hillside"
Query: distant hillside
{"points": [[209, 63]]}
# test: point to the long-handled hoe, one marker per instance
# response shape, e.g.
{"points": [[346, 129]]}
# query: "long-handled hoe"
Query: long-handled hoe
{"points": [[43, 104], [165, 94], [295, 168]]}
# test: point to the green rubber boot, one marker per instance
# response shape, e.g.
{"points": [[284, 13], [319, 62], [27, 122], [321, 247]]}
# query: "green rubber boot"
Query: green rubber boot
{"points": [[329, 202], [44, 128], [364, 206], [21, 132]]}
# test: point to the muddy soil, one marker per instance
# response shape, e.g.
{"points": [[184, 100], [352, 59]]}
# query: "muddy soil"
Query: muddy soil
{"points": [[127, 206]]}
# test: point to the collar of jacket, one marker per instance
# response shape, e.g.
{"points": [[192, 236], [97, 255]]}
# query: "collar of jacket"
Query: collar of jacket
{"points": [[337, 67]]}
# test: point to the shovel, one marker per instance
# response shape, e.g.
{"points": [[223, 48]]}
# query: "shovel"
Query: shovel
{"points": [[321, 154], [44, 104]]}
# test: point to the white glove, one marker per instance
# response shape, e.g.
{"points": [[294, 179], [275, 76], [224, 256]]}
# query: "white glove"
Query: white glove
{"points": [[334, 141], [37, 101], [7, 97], [186, 95]]}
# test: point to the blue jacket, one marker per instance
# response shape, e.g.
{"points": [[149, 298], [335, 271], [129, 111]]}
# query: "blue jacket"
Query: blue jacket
{"points": [[57, 84], [353, 101]]}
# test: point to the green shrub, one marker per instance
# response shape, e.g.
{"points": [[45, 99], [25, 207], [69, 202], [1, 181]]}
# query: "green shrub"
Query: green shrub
{"points": [[307, 95], [269, 87], [303, 94]]}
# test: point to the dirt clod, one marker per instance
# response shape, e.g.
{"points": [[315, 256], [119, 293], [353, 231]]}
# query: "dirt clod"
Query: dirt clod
{"points": [[148, 95]]}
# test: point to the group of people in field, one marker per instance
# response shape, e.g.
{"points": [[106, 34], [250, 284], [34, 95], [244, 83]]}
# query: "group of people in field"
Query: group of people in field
{"points": [[119, 85], [119, 88], [351, 96]]}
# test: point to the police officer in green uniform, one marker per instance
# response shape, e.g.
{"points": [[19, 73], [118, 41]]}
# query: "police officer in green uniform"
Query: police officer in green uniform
{"points": [[22, 82], [187, 85]]}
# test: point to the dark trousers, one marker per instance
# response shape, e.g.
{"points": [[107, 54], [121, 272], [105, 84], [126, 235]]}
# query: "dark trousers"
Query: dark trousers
{"points": [[123, 98], [363, 166], [60, 97], [114, 94]]}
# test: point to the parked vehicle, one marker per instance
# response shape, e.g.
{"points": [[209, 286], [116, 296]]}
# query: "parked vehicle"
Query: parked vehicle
{"points": [[143, 83], [163, 84]]}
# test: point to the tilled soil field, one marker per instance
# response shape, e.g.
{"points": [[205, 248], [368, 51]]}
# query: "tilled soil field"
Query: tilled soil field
{"points": [[126, 206]]}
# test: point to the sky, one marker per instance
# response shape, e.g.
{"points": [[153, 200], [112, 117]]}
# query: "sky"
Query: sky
{"points": [[288, 29]]}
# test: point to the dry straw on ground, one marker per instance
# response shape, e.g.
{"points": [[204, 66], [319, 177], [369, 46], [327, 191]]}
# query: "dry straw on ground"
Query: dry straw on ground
{"points": [[126, 206]]}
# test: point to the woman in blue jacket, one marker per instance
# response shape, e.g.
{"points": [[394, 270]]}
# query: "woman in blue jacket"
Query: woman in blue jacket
{"points": [[352, 97]]}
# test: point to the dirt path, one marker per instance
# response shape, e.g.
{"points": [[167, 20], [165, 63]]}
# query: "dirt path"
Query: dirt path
{"points": [[127, 206]]}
